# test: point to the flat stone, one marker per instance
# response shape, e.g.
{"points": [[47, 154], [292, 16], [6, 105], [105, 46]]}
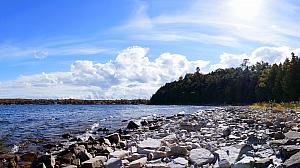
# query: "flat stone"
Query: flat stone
{"points": [[138, 163], [181, 161], [119, 154], [201, 156], [113, 163], [149, 144]]}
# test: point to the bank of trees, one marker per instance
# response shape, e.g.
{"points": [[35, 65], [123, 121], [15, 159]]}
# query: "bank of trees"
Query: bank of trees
{"points": [[243, 85]]}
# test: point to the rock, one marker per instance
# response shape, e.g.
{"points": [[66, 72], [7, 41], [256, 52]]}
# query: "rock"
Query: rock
{"points": [[114, 138], [289, 150], [245, 150], [279, 135], [29, 157], [226, 132], [178, 151], [190, 127], [70, 166], [119, 154], [82, 153], [144, 123], [246, 162], [223, 163], [136, 156], [229, 153], [262, 163], [113, 163], [159, 154], [66, 136], [181, 161], [48, 160], [157, 165], [138, 163], [293, 161], [13, 164], [132, 125], [67, 158], [201, 156], [96, 162], [293, 135], [149, 144]]}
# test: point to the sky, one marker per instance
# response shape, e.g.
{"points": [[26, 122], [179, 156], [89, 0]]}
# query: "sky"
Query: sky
{"points": [[129, 48]]}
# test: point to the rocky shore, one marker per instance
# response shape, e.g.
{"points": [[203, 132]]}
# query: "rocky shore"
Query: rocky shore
{"points": [[222, 138]]}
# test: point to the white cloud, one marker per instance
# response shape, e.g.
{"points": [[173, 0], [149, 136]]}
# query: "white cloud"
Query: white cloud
{"points": [[266, 54], [130, 75]]}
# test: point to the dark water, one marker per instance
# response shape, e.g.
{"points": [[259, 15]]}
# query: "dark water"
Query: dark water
{"points": [[35, 124]]}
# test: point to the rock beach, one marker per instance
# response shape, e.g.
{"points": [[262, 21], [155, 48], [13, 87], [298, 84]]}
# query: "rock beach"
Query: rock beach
{"points": [[222, 137]]}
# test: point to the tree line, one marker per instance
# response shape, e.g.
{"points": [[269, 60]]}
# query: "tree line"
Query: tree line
{"points": [[261, 82]]}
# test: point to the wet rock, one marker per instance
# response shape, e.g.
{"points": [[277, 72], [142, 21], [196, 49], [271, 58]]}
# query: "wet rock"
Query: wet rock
{"points": [[144, 123], [132, 125], [226, 132], [114, 138], [96, 162], [67, 136], [113, 163], [82, 153], [29, 157], [138, 163], [201, 156]]}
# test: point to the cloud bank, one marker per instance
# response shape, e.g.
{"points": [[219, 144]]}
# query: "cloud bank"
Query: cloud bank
{"points": [[130, 75]]}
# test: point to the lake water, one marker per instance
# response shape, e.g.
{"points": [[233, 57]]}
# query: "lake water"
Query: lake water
{"points": [[33, 125]]}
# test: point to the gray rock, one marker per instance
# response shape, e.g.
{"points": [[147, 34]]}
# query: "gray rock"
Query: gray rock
{"points": [[138, 163], [113, 163], [182, 161], [293, 161], [246, 162], [178, 151], [292, 135], [201, 156], [132, 125], [119, 154], [149, 144], [289, 150]]}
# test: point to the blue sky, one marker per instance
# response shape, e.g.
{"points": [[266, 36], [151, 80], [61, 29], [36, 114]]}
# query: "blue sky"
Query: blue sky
{"points": [[92, 43]]}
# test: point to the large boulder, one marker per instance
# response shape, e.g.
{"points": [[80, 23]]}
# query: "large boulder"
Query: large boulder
{"points": [[201, 156]]}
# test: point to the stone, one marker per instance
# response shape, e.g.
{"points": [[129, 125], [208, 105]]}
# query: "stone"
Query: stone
{"points": [[292, 135], [226, 132], [48, 160], [245, 150], [279, 135], [149, 144], [138, 163], [223, 163], [293, 161], [262, 163], [67, 158], [201, 156], [289, 150], [182, 161], [29, 157], [70, 166], [96, 162], [157, 165], [119, 154], [113, 163], [132, 125], [245, 162], [178, 151], [114, 138], [66, 136]]}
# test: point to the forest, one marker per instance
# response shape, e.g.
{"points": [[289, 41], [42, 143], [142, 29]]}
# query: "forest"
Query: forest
{"points": [[261, 82]]}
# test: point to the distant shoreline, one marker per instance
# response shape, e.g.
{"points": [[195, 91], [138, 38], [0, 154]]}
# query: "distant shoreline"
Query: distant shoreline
{"points": [[71, 101]]}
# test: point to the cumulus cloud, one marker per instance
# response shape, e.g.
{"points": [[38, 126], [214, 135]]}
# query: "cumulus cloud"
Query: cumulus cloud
{"points": [[130, 75], [266, 54]]}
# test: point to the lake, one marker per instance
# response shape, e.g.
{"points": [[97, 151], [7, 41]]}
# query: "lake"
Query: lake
{"points": [[33, 125]]}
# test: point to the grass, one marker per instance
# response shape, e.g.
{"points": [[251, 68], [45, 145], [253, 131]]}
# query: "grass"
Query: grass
{"points": [[277, 106]]}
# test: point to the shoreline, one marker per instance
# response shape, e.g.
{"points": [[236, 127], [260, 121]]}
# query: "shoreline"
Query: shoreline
{"points": [[221, 137]]}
